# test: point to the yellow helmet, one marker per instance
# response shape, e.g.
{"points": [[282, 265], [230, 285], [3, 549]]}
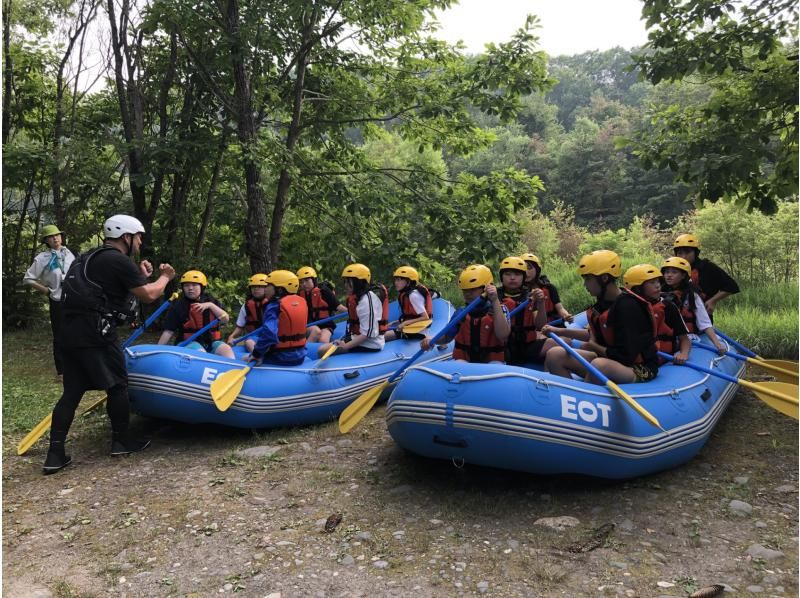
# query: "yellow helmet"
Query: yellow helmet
{"points": [[639, 274], [284, 279], [677, 262], [258, 280], [686, 241], [407, 272], [529, 257], [474, 276], [306, 272], [600, 262], [357, 271], [195, 276], [513, 263]]}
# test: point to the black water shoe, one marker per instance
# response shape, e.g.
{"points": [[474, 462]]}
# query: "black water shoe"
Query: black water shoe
{"points": [[55, 461], [126, 447]]}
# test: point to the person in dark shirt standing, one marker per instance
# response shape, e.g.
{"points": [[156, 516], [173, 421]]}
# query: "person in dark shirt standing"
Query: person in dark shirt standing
{"points": [[100, 292], [714, 283]]}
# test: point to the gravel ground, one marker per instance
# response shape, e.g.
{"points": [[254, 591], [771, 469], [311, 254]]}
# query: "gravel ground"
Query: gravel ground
{"points": [[306, 512]]}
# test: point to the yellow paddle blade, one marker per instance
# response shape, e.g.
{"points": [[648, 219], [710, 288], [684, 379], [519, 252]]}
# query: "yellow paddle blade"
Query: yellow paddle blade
{"points": [[636, 406], [784, 371], [778, 395], [356, 410], [226, 387], [34, 435], [327, 354], [416, 327]]}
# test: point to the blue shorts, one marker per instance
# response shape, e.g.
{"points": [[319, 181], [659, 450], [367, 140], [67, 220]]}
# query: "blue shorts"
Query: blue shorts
{"points": [[198, 347]]}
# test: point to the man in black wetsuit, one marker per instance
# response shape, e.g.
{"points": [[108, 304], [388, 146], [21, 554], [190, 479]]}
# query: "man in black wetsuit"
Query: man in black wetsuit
{"points": [[100, 291]]}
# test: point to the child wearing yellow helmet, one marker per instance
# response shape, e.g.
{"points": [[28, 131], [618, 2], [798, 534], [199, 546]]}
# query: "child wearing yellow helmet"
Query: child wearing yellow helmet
{"points": [[525, 344], [621, 327], [671, 334], [415, 300], [534, 279], [321, 302], [481, 336], [680, 290], [193, 310], [368, 313], [281, 339], [712, 282], [251, 313]]}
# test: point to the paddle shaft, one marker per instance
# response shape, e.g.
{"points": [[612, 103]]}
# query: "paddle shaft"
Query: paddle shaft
{"points": [[139, 331], [610, 384], [741, 348], [200, 332], [746, 383], [757, 362]]}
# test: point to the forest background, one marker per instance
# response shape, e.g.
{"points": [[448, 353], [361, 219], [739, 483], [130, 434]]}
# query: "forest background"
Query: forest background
{"points": [[249, 136]]}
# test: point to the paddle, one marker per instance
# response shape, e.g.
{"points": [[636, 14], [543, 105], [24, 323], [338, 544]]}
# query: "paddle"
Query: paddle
{"points": [[227, 386], [778, 395], [34, 435], [415, 327], [199, 333], [356, 410], [780, 363], [609, 383], [781, 374]]}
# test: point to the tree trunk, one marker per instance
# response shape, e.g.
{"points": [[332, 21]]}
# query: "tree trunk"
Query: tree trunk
{"points": [[9, 69], [255, 228], [284, 180], [21, 224], [210, 196]]}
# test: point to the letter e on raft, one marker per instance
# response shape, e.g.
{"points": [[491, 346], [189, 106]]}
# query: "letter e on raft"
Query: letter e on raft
{"points": [[572, 408], [209, 374]]}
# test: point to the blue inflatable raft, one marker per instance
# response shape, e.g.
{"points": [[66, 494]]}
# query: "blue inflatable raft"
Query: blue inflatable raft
{"points": [[528, 420], [173, 383]]}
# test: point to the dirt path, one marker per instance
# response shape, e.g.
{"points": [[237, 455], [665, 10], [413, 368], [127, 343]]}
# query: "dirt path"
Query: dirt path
{"points": [[191, 516]]}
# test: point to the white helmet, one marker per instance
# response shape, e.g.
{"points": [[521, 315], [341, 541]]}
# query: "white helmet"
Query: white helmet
{"points": [[121, 224]]}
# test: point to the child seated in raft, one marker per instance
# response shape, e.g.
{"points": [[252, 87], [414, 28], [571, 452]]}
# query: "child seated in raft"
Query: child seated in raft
{"points": [[252, 312], [671, 334], [416, 303], [621, 335], [281, 339], [191, 312], [482, 334], [368, 314], [321, 302], [534, 279], [680, 291], [525, 344]]}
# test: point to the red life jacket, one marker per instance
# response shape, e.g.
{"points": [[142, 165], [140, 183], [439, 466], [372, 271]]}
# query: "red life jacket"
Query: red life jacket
{"points": [[352, 311], [476, 341], [196, 320], [253, 313], [680, 300], [695, 278], [404, 299], [292, 320], [317, 308], [523, 329], [604, 334], [665, 336]]}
